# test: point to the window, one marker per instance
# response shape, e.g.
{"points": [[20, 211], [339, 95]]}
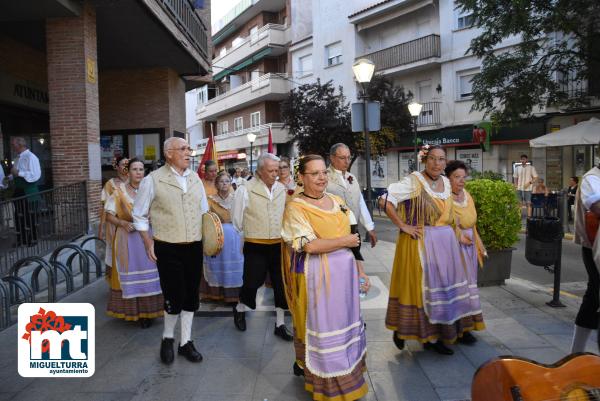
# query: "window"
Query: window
{"points": [[255, 119], [465, 84], [237, 41], [305, 66], [224, 127], [223, 51], [254, 32], [238, 123], [333, 53], [424, 90], [254, 75], [201, 97], [464, 18]]}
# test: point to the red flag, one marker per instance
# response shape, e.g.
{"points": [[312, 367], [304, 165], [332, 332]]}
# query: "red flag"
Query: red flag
{"points": [[210, 153], [270, 147]]}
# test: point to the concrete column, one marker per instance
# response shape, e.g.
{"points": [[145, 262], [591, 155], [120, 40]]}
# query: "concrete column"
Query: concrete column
{"points": [[73, 94]]}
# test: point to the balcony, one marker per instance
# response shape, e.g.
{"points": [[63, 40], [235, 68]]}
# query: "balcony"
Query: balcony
{"points": [[237, 139], [272, 36], [407, 55], [183, 15], [430, 115], [268, 87]]}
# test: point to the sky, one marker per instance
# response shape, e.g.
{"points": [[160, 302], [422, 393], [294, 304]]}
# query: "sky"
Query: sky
{"points": [[220, 7]]}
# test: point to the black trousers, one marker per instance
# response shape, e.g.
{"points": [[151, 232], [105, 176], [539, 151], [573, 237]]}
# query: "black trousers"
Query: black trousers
{"points": [[25, 219], [179, 270], [258, 260], [588, 311]]}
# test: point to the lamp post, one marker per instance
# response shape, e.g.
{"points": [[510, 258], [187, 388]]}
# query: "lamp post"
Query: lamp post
{"points": [[363, 72], [251, 138], [414, 108]]}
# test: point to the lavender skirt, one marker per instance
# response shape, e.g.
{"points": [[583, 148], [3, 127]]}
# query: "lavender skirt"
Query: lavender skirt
{"points": [[472, 264], [140, 277], [335, 335], [446, 293]]}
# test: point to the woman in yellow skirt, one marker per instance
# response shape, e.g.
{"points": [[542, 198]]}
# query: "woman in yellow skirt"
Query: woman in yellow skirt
{"points": [[321, 279], [429, 291]]}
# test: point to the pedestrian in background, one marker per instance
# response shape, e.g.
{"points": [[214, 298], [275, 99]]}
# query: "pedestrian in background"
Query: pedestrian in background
{"points": [[210, 173], [106, 230], [524, 177], [571, 193]]}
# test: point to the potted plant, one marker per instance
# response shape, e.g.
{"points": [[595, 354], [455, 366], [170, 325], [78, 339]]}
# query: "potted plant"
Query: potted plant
{"points": [[498, 224]]}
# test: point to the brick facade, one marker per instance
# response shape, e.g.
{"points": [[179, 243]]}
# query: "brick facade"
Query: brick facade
{"points": [[74, 108], [269, 113]]}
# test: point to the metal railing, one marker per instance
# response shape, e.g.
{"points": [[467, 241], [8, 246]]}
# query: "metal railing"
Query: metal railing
{"points": [[184, 15], [34, 225], [260, 82], [262, 33], [430, 114], [406, 53], [259, 130]]}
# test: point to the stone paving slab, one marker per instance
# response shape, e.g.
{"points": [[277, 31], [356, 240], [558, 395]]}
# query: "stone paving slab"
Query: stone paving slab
{"points": [[255, 365]]}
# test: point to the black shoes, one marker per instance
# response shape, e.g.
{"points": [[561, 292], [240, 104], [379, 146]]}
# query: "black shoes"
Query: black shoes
{"points": [[438, 347], [467, 339], [166, 351], [283, 333], [398, 341], [239, 319], [189, 352], [145, 323], [298, 371]]}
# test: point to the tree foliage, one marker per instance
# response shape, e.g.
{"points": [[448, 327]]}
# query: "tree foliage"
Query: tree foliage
{"points": [[317, 117], [555, 63]]}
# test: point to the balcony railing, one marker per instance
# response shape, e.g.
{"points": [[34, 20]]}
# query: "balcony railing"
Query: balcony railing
{"points": [[259, 130], [275, 32], [430, 114], [183, 14], [255, 84], [406, 53]]}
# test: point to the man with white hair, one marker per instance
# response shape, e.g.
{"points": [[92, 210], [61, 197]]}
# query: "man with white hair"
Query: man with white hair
{"points": [[257, 213], [25, 172], [173, 199]]}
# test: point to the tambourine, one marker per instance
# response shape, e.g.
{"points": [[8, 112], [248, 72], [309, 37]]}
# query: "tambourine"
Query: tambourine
{"points": [[213, 237]]}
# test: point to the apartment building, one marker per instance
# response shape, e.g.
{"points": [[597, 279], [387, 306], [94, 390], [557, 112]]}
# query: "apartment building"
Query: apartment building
{"points": [[421, 46], [251, 78]]}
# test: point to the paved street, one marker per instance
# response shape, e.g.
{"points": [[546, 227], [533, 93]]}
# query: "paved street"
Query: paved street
{"points": [[254, 366]]}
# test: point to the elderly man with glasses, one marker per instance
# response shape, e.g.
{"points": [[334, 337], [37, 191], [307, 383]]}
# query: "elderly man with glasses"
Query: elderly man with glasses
{"points": [[345, 185], [173, 199]]}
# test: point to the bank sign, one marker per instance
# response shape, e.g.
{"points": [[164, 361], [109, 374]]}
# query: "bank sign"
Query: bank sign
{"points": [[56, 340]]}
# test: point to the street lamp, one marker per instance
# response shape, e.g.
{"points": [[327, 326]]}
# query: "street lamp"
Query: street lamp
{"points": [[251, 138], [414, 108], [363, 72]]}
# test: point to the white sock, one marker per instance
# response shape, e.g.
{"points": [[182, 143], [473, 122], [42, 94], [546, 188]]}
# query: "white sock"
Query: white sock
{"points": [[186, 326], [580, 337], [242, 307], [279, 313], [170, 322]]}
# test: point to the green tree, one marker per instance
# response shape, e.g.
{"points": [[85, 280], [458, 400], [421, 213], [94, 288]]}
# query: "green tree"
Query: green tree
{"points": [[556, 63], [318, 117]]}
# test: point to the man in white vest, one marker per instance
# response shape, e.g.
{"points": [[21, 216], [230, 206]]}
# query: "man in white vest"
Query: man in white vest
{"points": [[173, 199], [587, 200], [257, 213], [345, 185]]}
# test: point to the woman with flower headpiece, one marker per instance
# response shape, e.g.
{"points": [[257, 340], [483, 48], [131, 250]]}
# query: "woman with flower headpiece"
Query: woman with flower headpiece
{"points": [[106, 230], [135, 293], [321, 280], [429, 292], [223, 273]]}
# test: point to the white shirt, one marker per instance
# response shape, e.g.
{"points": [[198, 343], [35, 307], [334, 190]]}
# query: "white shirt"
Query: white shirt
{"points": [[590, 190], [2, 186], [240, 203], [365, 216], [145, 196], [28, 166], [525, 176]]}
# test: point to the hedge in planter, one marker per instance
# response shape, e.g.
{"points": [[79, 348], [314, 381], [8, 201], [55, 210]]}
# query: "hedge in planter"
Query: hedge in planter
{"points": [[498, 212]]}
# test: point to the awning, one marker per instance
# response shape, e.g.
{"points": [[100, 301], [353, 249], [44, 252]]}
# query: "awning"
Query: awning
{"points": [[245, 63], [584, 133]]}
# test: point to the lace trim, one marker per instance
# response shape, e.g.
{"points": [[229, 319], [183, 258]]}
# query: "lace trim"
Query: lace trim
{"points": [[439, 195]]}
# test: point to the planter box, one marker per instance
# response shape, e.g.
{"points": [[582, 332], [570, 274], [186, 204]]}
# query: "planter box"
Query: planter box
{"points": [[496, 268]]}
